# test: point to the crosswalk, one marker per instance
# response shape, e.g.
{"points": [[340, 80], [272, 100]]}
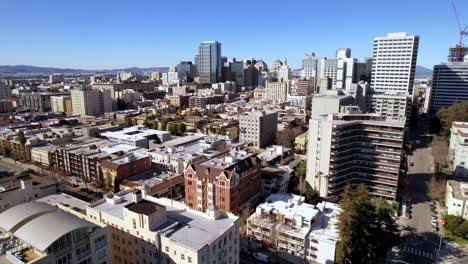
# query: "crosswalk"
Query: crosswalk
{"points": [[418, 252]]}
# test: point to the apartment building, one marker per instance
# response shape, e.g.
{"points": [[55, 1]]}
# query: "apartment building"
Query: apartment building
{"points": [[138, 136], [230, 182], [458, 148], [292, 226], [144, 229], [82, 158], [330, 101], [91, 102], [456, 198], [353, 149], [116, 170], [37, 232], [394, 63], [22, 188], [62, 104], [40, 102], [390, 106], [258, 128]]}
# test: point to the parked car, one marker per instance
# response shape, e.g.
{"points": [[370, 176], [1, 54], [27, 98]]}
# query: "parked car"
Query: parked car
{"points": [[261, 257], [83, 189]]}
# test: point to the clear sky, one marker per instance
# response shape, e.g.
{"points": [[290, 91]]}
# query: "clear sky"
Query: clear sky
{"points": [[101, 34]]}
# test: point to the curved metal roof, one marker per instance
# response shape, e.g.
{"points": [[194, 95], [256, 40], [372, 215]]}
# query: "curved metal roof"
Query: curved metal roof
{"points": [[11, 218], [45, 229]]}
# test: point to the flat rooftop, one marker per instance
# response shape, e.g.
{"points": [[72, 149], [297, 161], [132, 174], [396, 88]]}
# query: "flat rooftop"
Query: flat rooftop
{"points": [[325, 224], [459, 189], [134, 133]]}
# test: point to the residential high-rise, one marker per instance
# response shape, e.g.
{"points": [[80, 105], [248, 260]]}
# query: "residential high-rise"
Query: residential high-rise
{"points": [[258, 128], [209, 62], [345, 72], [394, 63], [61, 104], [56, 78], [5, 91], [352, 149], [86, 101], [230, 182], [390, 106], [449, 85]]}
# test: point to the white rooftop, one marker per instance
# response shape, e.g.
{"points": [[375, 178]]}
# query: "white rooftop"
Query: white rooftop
{"points": [[289, 205], [325, 225], [133, 133]]}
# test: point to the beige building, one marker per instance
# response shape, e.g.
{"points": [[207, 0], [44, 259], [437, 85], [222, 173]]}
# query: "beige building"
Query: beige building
{"points": [[277, 91], [42, 155], [91, 102], [61, 104], [149, 230], [456, 198]]}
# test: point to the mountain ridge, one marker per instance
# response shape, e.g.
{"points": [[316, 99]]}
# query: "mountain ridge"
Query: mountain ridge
{"points": [[37, 70]]}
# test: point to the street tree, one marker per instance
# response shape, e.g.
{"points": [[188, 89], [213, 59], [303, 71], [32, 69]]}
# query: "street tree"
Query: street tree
{"points": [[455, 112], [357, 227], [21, 137]]}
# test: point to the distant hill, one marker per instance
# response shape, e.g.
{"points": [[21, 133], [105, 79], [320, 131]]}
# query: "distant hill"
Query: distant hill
{"points": [[423, 72], [33, 70]]}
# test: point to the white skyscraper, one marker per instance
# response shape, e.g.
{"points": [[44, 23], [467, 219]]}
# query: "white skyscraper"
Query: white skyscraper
{"points": [[284, 72], [394, 63]]}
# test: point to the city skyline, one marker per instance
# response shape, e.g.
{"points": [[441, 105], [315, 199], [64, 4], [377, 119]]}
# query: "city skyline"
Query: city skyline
{"points": [[60, 38]]}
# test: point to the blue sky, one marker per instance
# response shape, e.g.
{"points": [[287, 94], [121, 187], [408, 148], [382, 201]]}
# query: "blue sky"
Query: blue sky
{"points": [[102, 34]]}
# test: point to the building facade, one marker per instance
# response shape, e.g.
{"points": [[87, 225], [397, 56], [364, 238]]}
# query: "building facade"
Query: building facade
{"points": [[258, 128], [394, 63], [229, 182], [458, 148], [354, 149], [91, 102], [209, 62], [277, 91], [449, 85], [456, 198]]}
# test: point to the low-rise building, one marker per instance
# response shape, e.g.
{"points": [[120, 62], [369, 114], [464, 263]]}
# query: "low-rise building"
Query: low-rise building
{"points": [[229, 181], [37, 232], [116, 170], [458, 148], [292, 226], [167, 184], [156, 230], [300, 142], [22, 188], [274, 179], [456, 198], [42, 155], [138, 136]]}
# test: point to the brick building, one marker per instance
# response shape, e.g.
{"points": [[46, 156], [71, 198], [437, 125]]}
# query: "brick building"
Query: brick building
{"points": [[229, 181]]}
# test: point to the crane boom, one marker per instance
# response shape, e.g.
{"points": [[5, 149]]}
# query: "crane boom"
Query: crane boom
{"points": [[462, 32]]}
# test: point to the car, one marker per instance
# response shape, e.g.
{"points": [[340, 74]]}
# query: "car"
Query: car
{"points": [[98, 194], [261, 257], [411, 163], [83, 189], [90, 191]]}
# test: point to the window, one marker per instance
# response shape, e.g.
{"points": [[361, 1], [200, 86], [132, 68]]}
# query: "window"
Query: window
{"points": [[167, 249], [182, 256], [100, 242], [67, 259], [83, 251], [189, 259]]}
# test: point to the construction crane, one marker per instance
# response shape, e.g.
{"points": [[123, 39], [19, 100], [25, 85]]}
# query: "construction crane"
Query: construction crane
{"points": [[462, 31]]}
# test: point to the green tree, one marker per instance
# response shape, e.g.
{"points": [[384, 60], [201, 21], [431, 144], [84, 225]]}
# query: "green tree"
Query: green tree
{"points": [[21, 137], [172, 128], [356, 226], [181, 128], [384, 211], [455, 112], [312, 196], [300, 173], [163, 124]]}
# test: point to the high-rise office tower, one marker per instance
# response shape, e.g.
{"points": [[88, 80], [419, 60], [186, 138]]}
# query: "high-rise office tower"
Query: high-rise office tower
{"points": [[363, 70], [449, 85], [309, 66], [209, 62], [237, 72], [394, 63], [185, 68]]}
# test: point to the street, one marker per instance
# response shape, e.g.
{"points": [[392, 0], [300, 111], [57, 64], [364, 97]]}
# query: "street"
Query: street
{"points": [[419, 243]]}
